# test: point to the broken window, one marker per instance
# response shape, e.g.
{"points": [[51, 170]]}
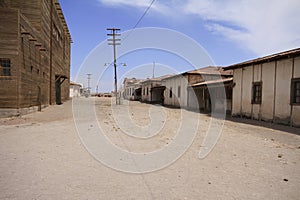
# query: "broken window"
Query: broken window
{"points": [[170, 95], [5, 67], [295, 91], [256, 92]]}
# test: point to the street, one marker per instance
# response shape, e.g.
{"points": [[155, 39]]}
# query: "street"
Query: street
{"points": [[43, 157]]}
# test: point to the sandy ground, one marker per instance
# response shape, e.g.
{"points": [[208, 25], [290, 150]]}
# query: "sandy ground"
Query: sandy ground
{"points": [[42, 157]]}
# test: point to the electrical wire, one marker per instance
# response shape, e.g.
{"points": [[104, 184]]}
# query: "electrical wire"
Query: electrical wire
{"points": [[145, 12]]}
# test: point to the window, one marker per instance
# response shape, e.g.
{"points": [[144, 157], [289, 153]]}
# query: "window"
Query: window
{"points": [[5, 67], [147, 91], [295, 91], [179, 91], [256, 92], [170, 95]]}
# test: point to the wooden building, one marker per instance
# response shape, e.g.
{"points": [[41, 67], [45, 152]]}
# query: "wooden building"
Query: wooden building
{"points": [[268, 88], [132, 88], [34, 54], [75, 90], [177, 93], [153, 90], [212, 95]]}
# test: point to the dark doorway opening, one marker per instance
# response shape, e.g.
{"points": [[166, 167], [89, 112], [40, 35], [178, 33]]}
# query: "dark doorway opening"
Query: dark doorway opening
{"points": [[59, 79]]}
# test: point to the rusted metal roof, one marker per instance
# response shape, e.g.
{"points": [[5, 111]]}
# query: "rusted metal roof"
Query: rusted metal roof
{"points": [[73, 83], [158, 78], [270, 58], [211, 82], [210, 70], [132, 80]]}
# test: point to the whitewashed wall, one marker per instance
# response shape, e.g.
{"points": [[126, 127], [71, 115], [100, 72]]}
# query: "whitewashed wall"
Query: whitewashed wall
{"points": [[276, 87]]}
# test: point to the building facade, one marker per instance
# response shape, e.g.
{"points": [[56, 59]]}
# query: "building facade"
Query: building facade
{"points": [[153, 89], [34, 54], [212, 95], [268, 88], [132, 88], [75, 90], [177, 93]]}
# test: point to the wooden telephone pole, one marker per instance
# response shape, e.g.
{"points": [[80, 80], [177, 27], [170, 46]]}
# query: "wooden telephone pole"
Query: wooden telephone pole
{"points": [[114, 41]]}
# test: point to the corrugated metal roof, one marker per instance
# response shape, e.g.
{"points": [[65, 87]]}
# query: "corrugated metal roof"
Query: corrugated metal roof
{"points": [[273, 57]]}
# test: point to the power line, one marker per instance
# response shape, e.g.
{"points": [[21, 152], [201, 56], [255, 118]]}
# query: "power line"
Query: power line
{"points": [[145, 12]]}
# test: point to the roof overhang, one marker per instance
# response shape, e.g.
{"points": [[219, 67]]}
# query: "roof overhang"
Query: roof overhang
{"points": [[213, 83], [282, 55]]}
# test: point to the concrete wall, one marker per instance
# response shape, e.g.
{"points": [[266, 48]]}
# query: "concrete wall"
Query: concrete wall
{"points": [[276, 78], [146, 95], [173, 83], [147, 86], [268, 90], [237, 92], [296, 109], [129, 92], [75, 91], [282, 93]]}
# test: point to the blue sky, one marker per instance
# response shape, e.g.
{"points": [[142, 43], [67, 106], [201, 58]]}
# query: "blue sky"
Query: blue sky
{"points": [[229, 32]]}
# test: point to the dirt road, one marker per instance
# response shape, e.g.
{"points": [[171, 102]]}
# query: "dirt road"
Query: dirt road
{"points": [[42, 157]]}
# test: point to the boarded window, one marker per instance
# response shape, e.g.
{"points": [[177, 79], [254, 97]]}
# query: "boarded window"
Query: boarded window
{"points": [[179, 91], [295, 91], [5, 67], [256, 92]]}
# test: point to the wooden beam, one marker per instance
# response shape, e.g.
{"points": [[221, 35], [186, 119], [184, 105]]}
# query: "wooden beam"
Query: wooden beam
{"points": [[25, 33]]}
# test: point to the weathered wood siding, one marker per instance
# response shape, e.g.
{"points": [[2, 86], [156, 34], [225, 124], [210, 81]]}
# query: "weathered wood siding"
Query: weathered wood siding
{"points": [[25, 39], [9, 49]]}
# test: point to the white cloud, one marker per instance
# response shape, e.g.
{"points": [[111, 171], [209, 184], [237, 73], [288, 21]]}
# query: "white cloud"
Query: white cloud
{"points": [[133, 3], [138, 4], [261, 26]]}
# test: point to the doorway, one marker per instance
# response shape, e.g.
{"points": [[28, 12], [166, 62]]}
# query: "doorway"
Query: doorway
{"points": [[57, 90]]}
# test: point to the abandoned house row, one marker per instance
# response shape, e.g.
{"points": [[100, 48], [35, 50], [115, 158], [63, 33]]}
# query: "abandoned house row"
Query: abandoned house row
{"points": [[266, 88], [34, 55]]}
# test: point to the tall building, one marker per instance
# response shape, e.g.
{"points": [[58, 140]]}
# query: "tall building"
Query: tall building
{"points": [[34, 55]]}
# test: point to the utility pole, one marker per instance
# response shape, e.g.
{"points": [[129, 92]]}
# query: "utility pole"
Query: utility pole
{"points": [[88, 78], [153, 70], [114, 41]]}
